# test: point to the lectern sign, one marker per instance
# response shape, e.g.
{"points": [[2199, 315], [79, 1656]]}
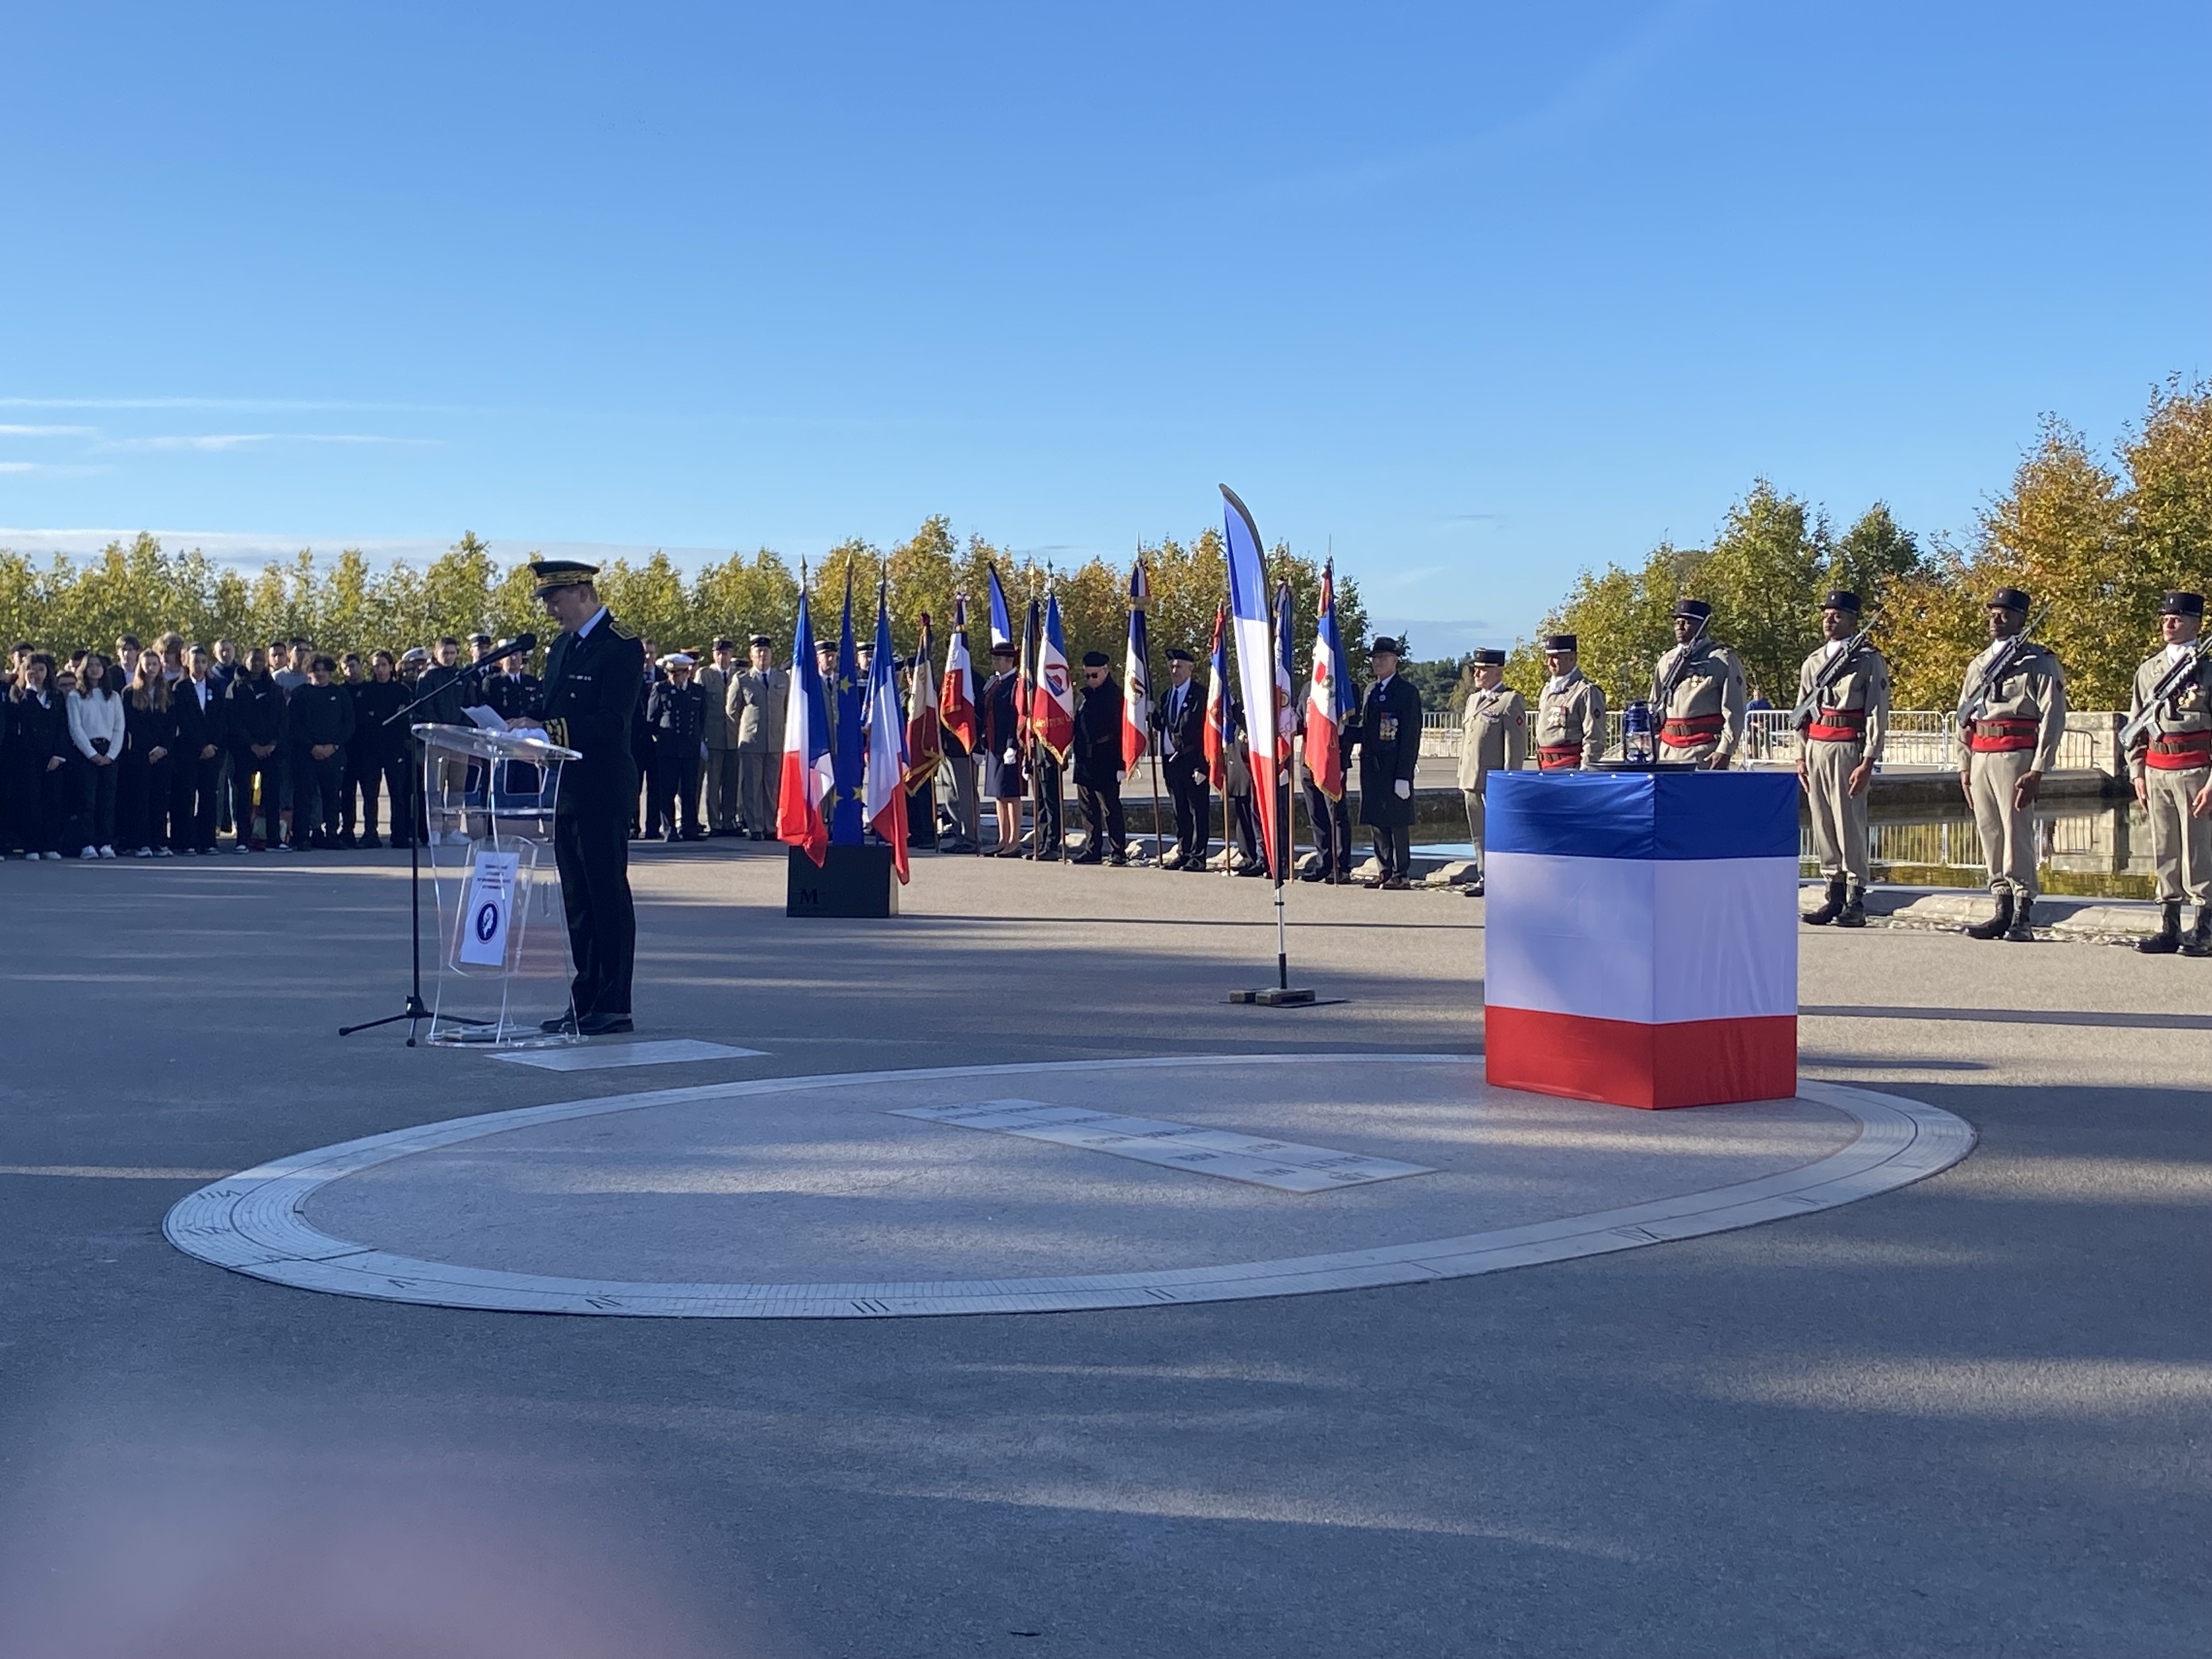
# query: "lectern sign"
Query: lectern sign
{"points": [[484, 919]]}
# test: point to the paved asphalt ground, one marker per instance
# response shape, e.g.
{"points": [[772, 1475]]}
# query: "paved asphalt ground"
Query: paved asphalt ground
{"points": [[1967, 1418]]}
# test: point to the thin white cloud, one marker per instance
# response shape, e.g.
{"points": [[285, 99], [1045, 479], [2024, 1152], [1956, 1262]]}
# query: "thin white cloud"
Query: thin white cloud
{"points": [[315, 403], [49, 431], [48, 468], [213, 442]]}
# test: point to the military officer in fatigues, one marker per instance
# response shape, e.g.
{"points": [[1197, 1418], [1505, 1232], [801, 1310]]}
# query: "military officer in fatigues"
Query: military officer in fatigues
{"points": [[2012, 713], [594, 675], [2172, 763], [1696, 694], [1839, 746], [1570, 712], [1493, 738]]}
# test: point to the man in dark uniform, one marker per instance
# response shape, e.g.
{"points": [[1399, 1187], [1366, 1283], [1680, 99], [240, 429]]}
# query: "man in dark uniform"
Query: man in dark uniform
{"points": [[1331, 819], [676, 709], [1180, 718], [1099, 763], [1004, 781], [1389, 747], [593, 675]]}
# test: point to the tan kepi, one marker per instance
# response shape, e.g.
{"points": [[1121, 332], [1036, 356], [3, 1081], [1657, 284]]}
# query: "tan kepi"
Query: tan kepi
{"points": [[1848, 722], [2018, 717], [1493, 738], [2171, 763], [1698, 696]]}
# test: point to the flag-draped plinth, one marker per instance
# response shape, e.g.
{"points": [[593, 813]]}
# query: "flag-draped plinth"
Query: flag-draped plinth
{"points": [[1641, 936]]}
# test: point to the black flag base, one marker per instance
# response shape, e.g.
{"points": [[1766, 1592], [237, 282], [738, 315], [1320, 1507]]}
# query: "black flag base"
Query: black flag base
{"points": [[1284, 997]]}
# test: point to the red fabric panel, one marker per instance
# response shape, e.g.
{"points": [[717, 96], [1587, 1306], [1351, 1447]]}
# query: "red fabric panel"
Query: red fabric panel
{"points": [[1695, 1062]]}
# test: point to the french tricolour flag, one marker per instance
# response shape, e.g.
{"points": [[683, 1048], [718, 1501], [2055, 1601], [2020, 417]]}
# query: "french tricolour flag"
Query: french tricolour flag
{"points": [[1325, 706], [957, 710], [1255, 663], [882, 788], [1136, 676], [1641, 938], [809, 774]]}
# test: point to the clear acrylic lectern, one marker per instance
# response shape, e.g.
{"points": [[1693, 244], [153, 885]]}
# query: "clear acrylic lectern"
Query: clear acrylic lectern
{"points": [[502, 942]]}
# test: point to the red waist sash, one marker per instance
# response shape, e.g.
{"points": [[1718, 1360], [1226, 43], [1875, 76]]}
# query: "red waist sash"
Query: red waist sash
{"points": [[2179, 751], [1838, 726], [1557, 756], [1690, 733], [2002, 736]]}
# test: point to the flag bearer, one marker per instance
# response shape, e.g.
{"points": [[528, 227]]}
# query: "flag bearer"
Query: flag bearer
{"points": [[1570, 712]]}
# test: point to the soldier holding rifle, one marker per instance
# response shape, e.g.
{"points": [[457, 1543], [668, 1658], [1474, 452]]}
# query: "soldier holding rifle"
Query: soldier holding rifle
{"points": [[1696, 694], [1842, 716], [2012, 712], [2168, 738]]}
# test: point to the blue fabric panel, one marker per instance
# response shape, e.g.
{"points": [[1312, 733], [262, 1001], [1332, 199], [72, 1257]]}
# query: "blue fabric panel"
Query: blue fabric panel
{"points": [[1643, 815]]}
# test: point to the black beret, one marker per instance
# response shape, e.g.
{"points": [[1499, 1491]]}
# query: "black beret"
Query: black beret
{"points": [[2008, 599], [1490, 659], [1842, 600], [1692, 611], [1559, 643], [2182, 604], [1006, 648], [1177, 653], [1094, 660], [1384, 642]]}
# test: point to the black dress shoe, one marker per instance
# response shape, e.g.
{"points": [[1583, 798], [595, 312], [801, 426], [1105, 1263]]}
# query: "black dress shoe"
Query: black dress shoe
{"points": [[604, 1025], [1088, 858], [1117, 860], [564, 1026]]}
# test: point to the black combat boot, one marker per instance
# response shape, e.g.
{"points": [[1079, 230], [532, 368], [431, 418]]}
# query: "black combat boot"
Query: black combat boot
{"points": [[2197, 941], [1829, 911], [1854, 910], [2022, 931], [2168, 939], [1998, 923]]}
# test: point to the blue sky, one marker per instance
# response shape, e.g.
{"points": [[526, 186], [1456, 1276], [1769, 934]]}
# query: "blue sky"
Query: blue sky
{"points": [[1479, 294]]}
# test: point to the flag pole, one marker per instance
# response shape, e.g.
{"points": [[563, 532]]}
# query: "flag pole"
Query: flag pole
{"points": [[1151, 742], [1274, 811]]}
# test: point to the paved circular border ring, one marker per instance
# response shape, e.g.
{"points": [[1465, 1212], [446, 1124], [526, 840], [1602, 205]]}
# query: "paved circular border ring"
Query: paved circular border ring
{"points": [[253, 1222]]}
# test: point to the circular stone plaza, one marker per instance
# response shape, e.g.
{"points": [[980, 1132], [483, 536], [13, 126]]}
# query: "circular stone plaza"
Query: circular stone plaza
{"points": [[984, 1280]]}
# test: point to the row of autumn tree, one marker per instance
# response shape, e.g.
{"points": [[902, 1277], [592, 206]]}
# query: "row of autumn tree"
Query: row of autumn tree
{"points": [[2101, 538], [346, 605]]}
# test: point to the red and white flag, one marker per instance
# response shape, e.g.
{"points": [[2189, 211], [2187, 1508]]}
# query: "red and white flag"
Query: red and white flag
{"points": [[1325, 705], [957, 696], [923, 751], [1054, 720], [1136, 676]]}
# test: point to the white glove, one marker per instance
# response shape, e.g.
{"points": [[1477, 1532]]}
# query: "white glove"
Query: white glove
{"points": [[1405, 790], [1010, 758], [1121, 777]]}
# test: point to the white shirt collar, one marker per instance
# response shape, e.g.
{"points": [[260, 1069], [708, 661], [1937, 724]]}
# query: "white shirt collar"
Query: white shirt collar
{"points": [[2174, 653], [1557, 683], [590, 622], [1829, 650]]}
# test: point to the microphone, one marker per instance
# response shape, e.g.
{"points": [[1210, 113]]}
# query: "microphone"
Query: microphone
{"points": [[520, 646]]}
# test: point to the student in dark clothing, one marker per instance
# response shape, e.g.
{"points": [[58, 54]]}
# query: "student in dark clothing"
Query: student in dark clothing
{"points": [[255, 710], [196, 774], [676, 710], [149, 743], [321, 719], [380, 748], [33, 731]]}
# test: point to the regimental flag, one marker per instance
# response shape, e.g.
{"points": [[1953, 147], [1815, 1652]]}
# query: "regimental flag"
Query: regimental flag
{"points": [[1640, 946], [851, 746], [1326, 710], [1219, 739], [809, 777], [923, 751], [1026, 681], [1286, 679], [1002, 623], [1054, 719], [1256, 665], [957, 712], [1136, 676], [884, 791]]}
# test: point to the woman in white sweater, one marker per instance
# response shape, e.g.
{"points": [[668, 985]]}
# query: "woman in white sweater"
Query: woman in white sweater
{"points": [[96, 729]]}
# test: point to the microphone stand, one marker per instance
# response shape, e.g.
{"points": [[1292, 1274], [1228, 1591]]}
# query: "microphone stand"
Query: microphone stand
{"points": [[416, 1010]]}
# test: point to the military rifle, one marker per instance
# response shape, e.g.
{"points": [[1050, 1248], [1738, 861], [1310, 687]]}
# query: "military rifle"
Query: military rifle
{"points": [[1809, 706], [1974, 705], [1659, 704], [2176, 680]]}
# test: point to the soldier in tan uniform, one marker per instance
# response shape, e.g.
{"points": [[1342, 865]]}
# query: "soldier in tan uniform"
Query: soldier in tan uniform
{"points": [[2012, 712], [1696, 694], [1843, 697], [1570, 712], [2172, 764], [1493, 738]]}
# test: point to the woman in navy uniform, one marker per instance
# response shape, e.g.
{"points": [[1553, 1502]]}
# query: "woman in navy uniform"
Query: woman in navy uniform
{"points": [[594, 676], [1389, 748]]}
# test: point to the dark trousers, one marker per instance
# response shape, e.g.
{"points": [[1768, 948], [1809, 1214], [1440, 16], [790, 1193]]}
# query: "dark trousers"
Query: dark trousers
{"points": [[922, 815], [1394, 848], [1102, 813], [95, 804], [315, 787], [592, 851], [1186, 786], [246, 768], [648, 766], [675, 789], [1045, 844], [142, 801], [1246, 833], [195, 800], [1332, 829], [34, 807], [360, 785]]}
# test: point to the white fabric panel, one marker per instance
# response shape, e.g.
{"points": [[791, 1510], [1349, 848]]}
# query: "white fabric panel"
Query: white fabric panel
{"points": [[1725, 937], [1568, 936], [1654, 941]]}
